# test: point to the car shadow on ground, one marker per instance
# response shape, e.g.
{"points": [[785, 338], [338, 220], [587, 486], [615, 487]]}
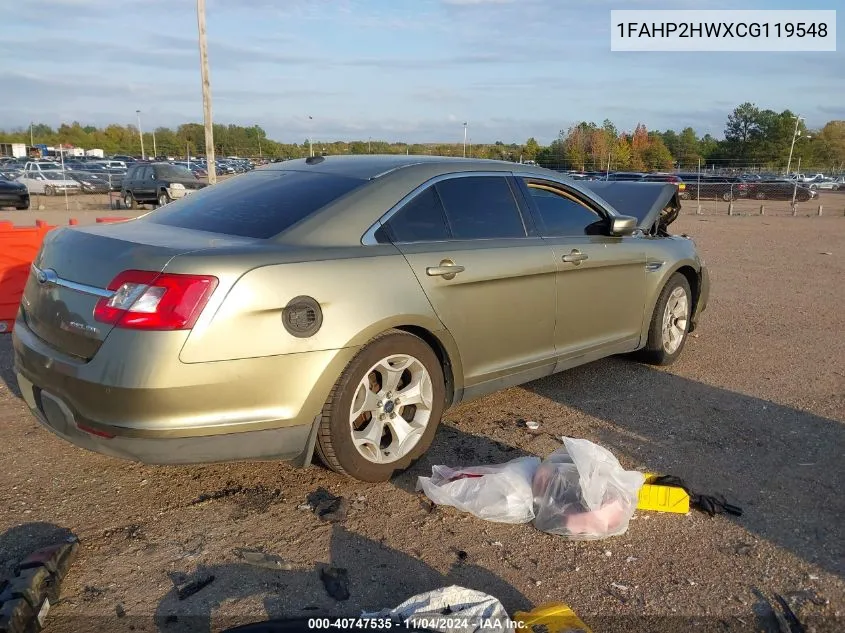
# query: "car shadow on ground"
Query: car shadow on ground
{"points": [[7, 370], [386, 576], [783, 466]]}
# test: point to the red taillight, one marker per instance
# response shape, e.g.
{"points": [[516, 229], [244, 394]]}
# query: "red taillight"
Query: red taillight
{"points": [[145, 300]]}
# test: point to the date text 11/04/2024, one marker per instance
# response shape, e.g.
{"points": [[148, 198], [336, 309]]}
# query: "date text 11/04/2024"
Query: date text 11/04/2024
{"points": [[721, 29], [425, 623]]}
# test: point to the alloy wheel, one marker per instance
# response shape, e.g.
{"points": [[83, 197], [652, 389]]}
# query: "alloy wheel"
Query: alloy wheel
{"points": [[391, 408], [675, 317]]}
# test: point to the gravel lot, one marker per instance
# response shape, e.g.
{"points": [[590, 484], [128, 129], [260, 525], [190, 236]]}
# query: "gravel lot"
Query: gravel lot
{"points": [[754, 409]]}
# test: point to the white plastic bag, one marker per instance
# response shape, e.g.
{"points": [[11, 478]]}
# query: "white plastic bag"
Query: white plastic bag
{"points": [[582, 492], [500, 493], [470, 611]]}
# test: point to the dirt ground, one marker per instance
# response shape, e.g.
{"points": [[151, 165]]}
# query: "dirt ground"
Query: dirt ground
{"points": [[754, 410]]}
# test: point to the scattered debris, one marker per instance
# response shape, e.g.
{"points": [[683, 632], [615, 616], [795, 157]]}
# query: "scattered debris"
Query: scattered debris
{"points": [[327, 506], [631, 559], [616, 585], [496, 544], [119, 610], [304, 506], [336, 582], [189, 589], [608, 553], [133, 531], [538, 582], [826, 253], [253, 498], [257, 558], [462, 555], [26, 598], [532, 425]]}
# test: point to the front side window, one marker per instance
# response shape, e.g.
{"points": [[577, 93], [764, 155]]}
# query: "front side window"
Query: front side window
{"points": [[561, 213]]}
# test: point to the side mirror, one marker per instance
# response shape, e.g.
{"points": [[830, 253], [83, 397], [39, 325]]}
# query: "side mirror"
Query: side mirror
{"points": [[623, 225]]}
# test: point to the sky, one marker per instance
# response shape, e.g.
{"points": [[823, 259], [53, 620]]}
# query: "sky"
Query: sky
{"points": [[398, 70]]}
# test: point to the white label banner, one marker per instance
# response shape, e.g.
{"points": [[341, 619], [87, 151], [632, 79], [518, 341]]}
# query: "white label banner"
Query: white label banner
{"points": [[723, 31]]}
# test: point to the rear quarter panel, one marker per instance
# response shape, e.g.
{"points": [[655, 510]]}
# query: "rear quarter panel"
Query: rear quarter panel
{"points": [[359, 296]]}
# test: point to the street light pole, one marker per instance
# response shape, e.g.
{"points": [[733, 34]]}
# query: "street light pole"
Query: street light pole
{"points": [[206, 95], [31, 137], [792, 147], [155, 150], [140, 134], [465, 139]]}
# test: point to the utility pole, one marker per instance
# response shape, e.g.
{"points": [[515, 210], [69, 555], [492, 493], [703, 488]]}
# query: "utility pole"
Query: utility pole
{"points": [[792, 147], [155, 150], [140, 134], [31, 137], [206, 95], [465, 139]]}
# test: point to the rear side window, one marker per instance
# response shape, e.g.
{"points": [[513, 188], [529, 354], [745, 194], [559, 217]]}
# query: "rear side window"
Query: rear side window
{"points": [[480, 207], [421, 220], [259, 204]]}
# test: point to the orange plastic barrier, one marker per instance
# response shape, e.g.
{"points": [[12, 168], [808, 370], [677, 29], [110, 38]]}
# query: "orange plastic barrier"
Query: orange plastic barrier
{"points": [[18, 247]]}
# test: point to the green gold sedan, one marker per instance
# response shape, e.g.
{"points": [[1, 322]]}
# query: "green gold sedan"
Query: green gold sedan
{"points": [[339, 305]]}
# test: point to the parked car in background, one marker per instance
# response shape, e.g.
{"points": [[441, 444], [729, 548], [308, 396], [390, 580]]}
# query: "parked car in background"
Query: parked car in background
{"points": [[89, 181], [13, 194], [38, 167], [830, 184], [157, 183], [726, 188], [623, 175], [49, 183], [231, 324], [781, 189], [673, 178]]}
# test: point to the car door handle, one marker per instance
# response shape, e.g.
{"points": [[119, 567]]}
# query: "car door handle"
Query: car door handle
{"points": [[575, 257], [447, 271]]}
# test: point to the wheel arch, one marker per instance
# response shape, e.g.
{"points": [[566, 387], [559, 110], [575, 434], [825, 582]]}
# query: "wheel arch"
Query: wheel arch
{"points": [[690, 270]]}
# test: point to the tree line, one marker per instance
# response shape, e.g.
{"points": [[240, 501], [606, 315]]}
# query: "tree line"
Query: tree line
{"points": [[753, 138]]}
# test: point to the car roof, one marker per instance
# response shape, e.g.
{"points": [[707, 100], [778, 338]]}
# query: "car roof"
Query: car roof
{"points": [[371, 166]]}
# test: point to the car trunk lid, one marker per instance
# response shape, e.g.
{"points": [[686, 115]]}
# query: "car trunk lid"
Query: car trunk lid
{"points": [[75, 266]]}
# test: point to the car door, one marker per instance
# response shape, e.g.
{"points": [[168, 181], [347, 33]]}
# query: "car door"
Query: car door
{"points": [[489, 278], [144, 185], [601, 280], [32, 179]]}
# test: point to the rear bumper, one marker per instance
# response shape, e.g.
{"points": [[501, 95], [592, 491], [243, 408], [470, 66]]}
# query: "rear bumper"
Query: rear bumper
{"points": [[137, 405], [290, 443]]}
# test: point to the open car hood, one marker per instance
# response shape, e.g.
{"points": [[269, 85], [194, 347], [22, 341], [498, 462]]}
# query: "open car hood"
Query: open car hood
{"points": [[652, 203]]}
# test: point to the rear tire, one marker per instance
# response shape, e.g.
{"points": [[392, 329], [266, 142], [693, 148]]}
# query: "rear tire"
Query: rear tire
{"points": [[22, 207], [342, 439], [727, 196], [129, 201], [670, 323], [163, 198], [49, 191], [760, 195]]}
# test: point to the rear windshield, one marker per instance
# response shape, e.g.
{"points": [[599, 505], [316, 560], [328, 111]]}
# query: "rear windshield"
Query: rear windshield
{"points": [[259, 204]]}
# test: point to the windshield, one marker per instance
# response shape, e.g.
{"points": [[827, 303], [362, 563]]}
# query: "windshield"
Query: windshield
{"points": [[46, 166], [174, 171]]}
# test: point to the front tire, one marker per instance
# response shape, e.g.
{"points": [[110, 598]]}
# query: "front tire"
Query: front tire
{"points": [[129, 201], [383, 412], [22, 207], [49, 191], [727, 196], [163, 198], [670, 322]]}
